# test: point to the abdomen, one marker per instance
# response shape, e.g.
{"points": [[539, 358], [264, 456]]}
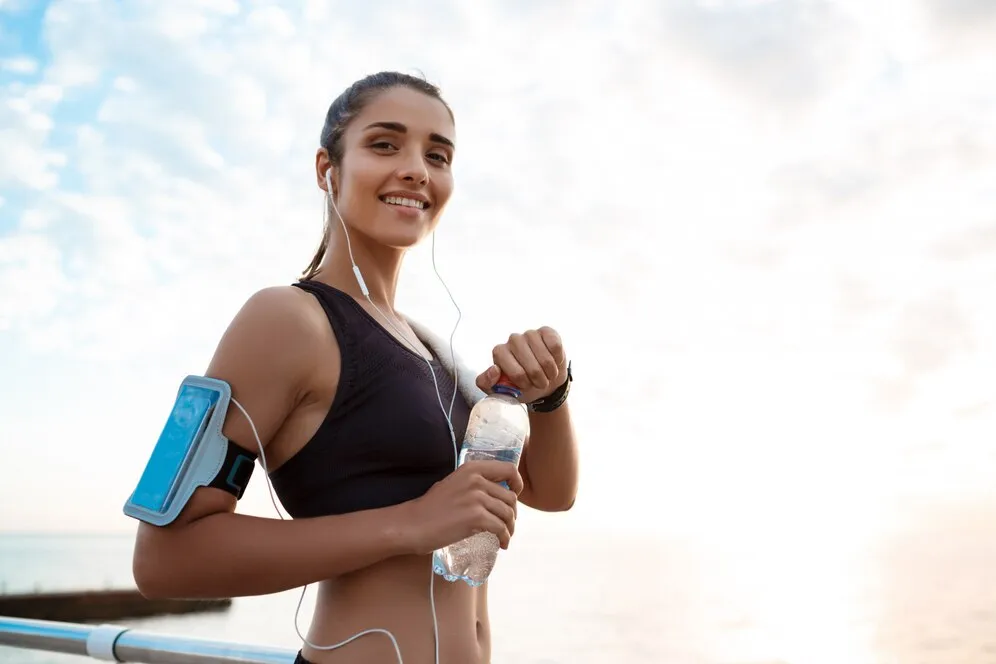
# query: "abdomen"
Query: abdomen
{"points": [[394, 595]]}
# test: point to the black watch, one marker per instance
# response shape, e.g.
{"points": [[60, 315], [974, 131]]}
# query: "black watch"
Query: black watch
{"points": [[556, 399]]}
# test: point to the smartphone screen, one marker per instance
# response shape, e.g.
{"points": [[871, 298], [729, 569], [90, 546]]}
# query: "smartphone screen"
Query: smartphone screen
{"points": [[173, 450]]}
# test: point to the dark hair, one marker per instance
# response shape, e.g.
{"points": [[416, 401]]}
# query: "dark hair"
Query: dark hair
{"points": [[346, 106]]}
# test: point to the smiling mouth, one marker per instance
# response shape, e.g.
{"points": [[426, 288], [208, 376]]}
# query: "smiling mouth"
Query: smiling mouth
{"points": [[405, 202]]}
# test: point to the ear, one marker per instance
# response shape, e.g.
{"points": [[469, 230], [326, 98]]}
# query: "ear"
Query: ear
{"points": [[323, 165]]}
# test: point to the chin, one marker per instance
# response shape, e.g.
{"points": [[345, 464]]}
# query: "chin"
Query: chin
{"points": [[400, 235], [399, 241], [392, 237]]}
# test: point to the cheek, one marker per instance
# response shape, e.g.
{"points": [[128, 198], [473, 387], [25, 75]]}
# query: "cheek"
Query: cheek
{"points": [[443, 189], [359, 190]]}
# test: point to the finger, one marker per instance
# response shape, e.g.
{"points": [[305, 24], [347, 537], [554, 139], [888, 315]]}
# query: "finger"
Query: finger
{"points": [[504, 538], [543, 356], [501, 510], [523, 351], [507, 488], [488, 379], [486, 521], [497, 471], [553, 342], [503, 357], [515, 483], [498, 527], [507, 496]]}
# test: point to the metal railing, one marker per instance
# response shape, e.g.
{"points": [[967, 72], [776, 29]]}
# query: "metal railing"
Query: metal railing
{"points": [[117, 643]]}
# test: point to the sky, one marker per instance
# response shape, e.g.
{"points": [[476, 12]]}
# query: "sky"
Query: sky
{"points": [[765, 230]]}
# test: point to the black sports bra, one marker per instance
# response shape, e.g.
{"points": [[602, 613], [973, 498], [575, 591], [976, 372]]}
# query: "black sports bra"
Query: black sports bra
{"points": [[385, 439]]}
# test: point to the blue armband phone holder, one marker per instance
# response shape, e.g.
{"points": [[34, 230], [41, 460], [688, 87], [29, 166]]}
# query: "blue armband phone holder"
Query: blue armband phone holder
{"points": [[191, 452]]}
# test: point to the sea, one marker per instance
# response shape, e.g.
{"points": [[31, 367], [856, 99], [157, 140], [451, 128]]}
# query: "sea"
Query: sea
{"points": [[925, 594]]}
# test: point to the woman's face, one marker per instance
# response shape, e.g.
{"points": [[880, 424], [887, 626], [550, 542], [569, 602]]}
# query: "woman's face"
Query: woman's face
{"points": [[395, 177]]}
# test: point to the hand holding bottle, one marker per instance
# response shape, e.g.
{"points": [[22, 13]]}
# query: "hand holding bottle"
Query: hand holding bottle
{"points": [[470, 500]]}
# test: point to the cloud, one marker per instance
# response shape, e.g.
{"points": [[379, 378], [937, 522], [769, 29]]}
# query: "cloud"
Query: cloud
{"points": [[729, 205], [19, 65], [26, 123], [779, 53], [931, 331], [857, 298], [963, 13], [203, 158], [13, 5], [816, 188], [30, 282], [967, 244], [979, 409], [168, 166]]}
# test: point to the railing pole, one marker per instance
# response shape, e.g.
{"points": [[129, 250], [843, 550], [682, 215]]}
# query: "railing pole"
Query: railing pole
{"points": [[114, 642]]}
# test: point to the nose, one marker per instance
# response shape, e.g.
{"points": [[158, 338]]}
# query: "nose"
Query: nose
{"points": [[414, 169]]}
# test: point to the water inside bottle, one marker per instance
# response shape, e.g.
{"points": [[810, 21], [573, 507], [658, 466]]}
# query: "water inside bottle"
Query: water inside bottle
{"points": [[472, 559]]}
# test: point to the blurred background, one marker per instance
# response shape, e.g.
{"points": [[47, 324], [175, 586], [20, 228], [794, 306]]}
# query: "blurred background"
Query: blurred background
{"points": [[765, 230]]}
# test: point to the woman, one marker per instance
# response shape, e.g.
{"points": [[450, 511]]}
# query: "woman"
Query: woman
{"points": [[343, 396]]}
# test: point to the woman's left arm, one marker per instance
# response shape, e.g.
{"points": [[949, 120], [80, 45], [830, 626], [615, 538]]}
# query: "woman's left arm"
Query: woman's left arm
{"points": [[549, 463], [536, 363]]}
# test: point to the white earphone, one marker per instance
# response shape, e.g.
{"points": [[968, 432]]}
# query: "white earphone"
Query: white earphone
{"points": [[447, 414]]}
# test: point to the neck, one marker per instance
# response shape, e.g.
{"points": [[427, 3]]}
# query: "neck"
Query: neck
{"points": [[379, 265]]}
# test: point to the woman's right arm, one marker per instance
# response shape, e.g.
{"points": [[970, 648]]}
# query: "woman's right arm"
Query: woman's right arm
{"points": [[267, 356]]}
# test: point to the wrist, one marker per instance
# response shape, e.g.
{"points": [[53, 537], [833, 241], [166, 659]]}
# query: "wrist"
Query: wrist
{"points": [[401, 537], [555, 399], [554, 414]]}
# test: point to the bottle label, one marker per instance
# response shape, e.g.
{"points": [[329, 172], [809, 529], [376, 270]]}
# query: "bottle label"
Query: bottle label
{"points": [[490, 454]]}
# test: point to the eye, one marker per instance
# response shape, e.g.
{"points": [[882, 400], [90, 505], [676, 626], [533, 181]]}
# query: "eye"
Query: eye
{"points": [[383, 145], [441, 157]]}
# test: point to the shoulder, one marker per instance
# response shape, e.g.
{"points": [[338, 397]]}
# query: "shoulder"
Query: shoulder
{"points": [[288, 301], [269, 355], [278, 314], [277, 329]]}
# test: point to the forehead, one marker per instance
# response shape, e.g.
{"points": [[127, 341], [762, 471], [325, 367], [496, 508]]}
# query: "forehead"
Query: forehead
{"points": [[419, 112]]}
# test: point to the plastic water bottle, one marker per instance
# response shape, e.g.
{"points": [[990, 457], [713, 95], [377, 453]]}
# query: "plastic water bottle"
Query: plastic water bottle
{"points": [[497, 429]]}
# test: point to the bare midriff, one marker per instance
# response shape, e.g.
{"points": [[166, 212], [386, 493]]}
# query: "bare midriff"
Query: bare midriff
{"points": [[393, 595]]}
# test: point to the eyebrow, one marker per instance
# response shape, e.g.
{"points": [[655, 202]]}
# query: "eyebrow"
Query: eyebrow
{"points": [[402, 129]]}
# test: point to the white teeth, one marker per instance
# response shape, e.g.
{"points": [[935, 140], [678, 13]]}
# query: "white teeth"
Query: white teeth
{"points": [[409, 202]]}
